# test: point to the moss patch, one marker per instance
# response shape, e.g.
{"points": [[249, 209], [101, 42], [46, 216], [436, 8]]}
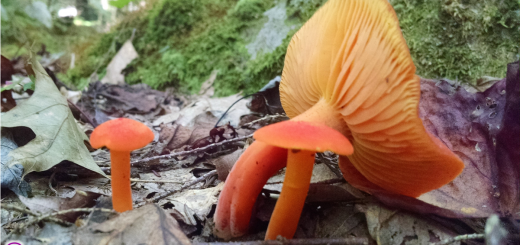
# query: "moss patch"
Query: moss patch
{"points": [[460, 39], [180, 42]]}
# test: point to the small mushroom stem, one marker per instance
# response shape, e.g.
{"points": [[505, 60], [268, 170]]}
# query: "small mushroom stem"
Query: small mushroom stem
{"points": [[243, 185], [120, 178], [289, 206]]}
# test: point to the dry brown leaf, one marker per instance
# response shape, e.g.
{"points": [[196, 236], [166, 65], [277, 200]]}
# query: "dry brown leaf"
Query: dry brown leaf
{"points": [[395, 227], [146, 225], [224, 163]]}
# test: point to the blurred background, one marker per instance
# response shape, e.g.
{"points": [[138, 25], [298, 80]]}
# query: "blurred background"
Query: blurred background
{"points": [[180, 43]]}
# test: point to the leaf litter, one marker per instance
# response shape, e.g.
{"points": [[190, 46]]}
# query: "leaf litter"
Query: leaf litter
{"points": [[478, 126]]}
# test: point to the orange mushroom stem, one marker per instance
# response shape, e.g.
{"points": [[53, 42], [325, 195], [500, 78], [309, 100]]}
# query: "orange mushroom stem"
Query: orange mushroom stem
{"points": [[121, 136]]}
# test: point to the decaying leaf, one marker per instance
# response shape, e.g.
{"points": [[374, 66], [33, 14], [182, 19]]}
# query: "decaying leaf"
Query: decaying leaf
{"points": [[12, 174], [103, 100], [58, 137], [146, 225], [396, 227], [199, 201], [124, 56], [49, 204], [341, 221], [50, 233], [479, 129], [224, 163]]}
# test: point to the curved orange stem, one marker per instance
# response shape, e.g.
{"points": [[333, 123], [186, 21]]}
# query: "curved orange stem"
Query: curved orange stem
{"points": [[289, 206], [243, 185], [120, 175]]}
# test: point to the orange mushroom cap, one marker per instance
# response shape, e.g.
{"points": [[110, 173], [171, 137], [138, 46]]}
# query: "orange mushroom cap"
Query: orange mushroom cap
{"points": [[121, 134], [351, 58], [304, 136]]}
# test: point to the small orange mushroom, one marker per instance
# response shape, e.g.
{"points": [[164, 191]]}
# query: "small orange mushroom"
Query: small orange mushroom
{"points": [[349, 68], [121, 136], [303, 140]]}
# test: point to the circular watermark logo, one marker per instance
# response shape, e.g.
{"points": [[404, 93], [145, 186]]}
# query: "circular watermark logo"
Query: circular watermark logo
{"points": [[14, 243]]}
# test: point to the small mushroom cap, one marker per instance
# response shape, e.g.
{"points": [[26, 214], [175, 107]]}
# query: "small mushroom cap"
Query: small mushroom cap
{"points": [[302, 135], [121, 134]]}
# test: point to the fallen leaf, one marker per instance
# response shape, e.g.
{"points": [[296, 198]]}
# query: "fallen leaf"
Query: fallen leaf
{"points": [[58, 137], [168, 118], [267, 100], [217, 107], [341, 221], [124, 56], [49, 204], [7, 70], [149, 224], [11, 177], [470, 125], [103, 100], [207, 89], [395, 227], [199, 201], [224, 163], [49, 233]]}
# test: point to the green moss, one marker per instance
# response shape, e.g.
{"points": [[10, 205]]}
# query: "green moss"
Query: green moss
{"points": [[187, 61], [180, 42], [460, 39]]}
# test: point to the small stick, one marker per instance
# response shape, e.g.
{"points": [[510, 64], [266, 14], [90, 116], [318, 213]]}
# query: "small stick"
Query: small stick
{"points": [[266, 118], [460, 238], [62, 212], [155, 181], [312, 241], [182, 153], [29, 212], [168, 193]]}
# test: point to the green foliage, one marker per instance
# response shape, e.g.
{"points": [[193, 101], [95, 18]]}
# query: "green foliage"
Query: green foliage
{"points": [[218, 46], [460, 39], [96, 57], [180, 42], [172, 17], [304, 9], [119, 3]]}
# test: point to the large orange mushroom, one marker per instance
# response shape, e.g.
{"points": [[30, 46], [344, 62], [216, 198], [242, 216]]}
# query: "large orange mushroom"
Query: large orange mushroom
{"points": [[348, 68]]}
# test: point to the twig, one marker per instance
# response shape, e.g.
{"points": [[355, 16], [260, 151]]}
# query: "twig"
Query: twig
{"points": [[62, 212], [29, 212], [313, 241], [266, 118], [189, 184], [182, 153], [50, 182], [460, 238], [155, 181]]}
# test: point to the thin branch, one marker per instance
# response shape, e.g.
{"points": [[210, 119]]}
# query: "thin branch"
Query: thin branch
{"points": [[168, 193], [460, 238], [29, 212], [62, 212], [155, 181], [266, 118], [182, 153], [313, 241]]}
